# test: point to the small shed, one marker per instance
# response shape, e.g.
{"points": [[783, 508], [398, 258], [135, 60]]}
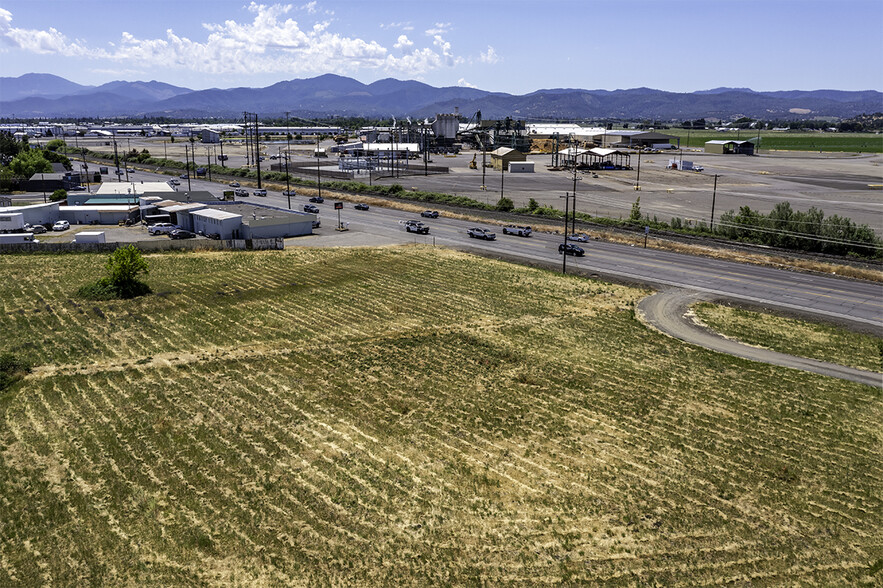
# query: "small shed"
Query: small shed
{"points": [[503, 156], [727, 147]]}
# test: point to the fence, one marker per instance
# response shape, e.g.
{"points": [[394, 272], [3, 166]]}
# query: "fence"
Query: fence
{"points": [[196, 244]]}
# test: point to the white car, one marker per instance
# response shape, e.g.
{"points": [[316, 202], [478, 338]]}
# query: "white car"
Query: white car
{"points": [[260, 192], [161, 228], [61, 225]]}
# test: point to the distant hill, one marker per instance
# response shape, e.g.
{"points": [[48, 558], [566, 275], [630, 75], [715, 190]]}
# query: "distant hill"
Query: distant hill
{"points": [[48, 96], [34, 84]]}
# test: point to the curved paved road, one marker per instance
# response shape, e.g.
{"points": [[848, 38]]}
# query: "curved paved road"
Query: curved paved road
{"points": [[666, 312]]}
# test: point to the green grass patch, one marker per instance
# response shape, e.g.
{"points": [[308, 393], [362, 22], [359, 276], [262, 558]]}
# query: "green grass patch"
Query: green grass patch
{"points": [[820, 341], [787, 140]]}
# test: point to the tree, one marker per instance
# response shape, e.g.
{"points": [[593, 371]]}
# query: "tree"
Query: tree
{"points": [[635, 215], [55, 145], [58, 195], [30, 162], [125, 265], [123, 268], [505, 204]]}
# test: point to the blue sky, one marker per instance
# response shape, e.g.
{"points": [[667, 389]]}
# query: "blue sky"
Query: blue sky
{"points": [[511, 46]]}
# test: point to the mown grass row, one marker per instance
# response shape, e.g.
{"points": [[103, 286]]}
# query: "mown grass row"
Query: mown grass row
{"points": [[411, 417]]}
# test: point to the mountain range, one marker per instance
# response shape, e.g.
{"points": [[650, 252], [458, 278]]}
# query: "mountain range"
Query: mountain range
{"points": [[49, 96]]}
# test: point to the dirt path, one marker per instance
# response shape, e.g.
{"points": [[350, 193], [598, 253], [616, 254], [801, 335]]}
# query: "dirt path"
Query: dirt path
{"points": [[667, 312]]}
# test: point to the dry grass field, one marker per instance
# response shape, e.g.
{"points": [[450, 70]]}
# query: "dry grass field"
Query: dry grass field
{"points": [[795, 337], [410, 417]]}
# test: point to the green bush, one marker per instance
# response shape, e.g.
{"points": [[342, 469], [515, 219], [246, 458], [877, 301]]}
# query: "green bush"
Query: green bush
{"points": [[12, 369], [505, 204], [58, 195], [123, 267]]}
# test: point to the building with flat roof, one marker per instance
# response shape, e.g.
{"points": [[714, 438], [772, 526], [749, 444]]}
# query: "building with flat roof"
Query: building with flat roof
{"points": [[726, 147]]}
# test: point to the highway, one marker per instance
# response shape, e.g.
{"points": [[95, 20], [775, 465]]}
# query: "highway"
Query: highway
{"points": [[831, 297], [835, 298]]}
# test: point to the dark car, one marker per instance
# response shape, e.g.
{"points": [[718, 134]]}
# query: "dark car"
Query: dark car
{"points": [[571, 249], [361, 206], [184, 176], [181, 234], [429, 214], [311, 208], [415, 226], [317, 199], [476, 233]]}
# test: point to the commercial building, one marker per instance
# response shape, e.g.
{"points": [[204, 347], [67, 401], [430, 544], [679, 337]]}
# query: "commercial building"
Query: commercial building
{"points": [[634, 139], [725, 147]]}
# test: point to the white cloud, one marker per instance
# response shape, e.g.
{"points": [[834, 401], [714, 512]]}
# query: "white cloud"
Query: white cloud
{"points": [[440, 29], [490, 56], [41, 42], [310, 7], [271, 42], [404, 43], [405, 26], [464, 84]]}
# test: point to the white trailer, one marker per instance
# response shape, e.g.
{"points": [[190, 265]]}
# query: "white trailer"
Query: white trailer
{"points": [[11, 221], [90, 237], [15, 238]]}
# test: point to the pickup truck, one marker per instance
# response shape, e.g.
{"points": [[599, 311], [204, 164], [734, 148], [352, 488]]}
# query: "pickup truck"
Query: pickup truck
{"points": [[478, 233], [517, 230], [415, 226]]}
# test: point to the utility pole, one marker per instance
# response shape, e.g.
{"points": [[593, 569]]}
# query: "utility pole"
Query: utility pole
{"points": [[502, 175], [187, 165], [573, 224], [208, 158], [247, 129], [116, 160], [564, 252], [318, 166], [638, 179], [257, 150], [221, 143], [287, 151], [483, 162], [713, 196]]}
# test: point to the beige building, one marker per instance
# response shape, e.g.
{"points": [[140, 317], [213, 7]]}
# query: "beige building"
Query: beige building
{"points": [[503, 156]]}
